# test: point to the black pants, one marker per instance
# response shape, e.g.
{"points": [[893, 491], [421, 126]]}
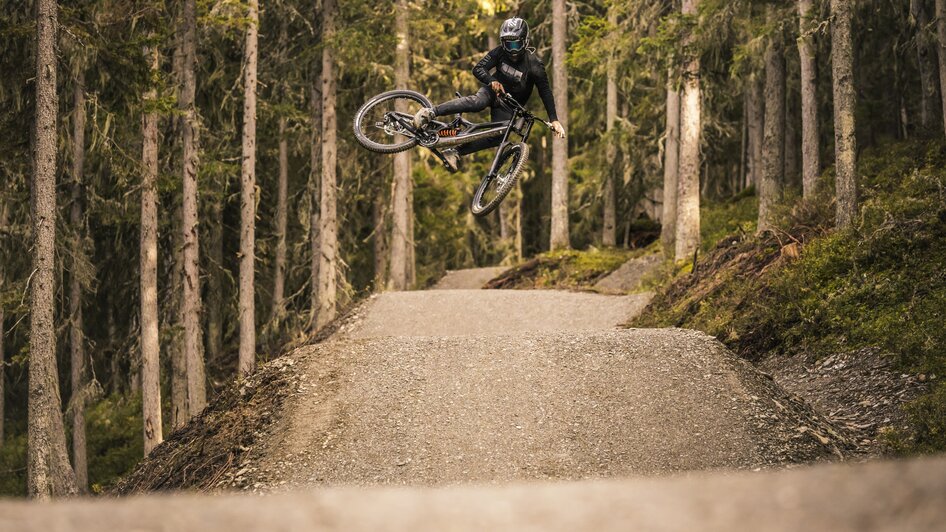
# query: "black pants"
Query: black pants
{"points": [[483, 99]]}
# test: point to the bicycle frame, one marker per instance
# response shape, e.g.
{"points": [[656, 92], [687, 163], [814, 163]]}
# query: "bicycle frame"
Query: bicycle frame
{"points": [[461, 131]]}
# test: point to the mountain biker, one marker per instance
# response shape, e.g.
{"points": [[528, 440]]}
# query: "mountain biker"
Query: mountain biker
{"points": [[511, 68]]}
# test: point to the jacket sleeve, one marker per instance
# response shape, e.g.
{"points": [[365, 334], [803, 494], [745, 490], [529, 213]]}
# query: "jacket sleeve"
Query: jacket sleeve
{"points": [[489, 62], [545, 89]]}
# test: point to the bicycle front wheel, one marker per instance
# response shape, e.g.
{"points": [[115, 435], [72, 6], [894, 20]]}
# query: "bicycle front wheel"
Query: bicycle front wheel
{"points": [[380, 123], [494, 188]]}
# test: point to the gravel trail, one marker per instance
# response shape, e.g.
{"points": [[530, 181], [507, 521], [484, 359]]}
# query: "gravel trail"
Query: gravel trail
{"points": [[454, 386]]}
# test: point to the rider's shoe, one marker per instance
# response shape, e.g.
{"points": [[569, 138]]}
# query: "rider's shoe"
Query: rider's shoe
{"points": [[423, 117], [452, 157]]}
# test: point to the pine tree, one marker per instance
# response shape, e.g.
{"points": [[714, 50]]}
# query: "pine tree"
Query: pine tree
{"points": [[687, 238], [247, 356], [559, 232], [845, 102], [402, 235], [328, 232], [671, 168], [48, 468], [773, 140], [811, 154]]}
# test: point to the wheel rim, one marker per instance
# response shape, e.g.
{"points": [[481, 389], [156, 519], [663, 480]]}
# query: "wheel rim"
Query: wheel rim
{"points": [[378, 127], [495, 187]]}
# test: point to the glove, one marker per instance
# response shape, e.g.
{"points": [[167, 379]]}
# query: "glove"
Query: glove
{"points": [[558, 129]]}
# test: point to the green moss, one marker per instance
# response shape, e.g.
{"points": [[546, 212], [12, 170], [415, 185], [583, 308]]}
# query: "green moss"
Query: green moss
{"points": [[881, 283], [569, 269], [721, 219]]}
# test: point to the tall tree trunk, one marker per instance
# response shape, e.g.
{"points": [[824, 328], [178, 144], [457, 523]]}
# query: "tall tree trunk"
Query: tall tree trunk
{"points": [[668, 227], [559, 238], [3, 223], [179, 409], [810, 152], [925, 62], [314, 191], [941, 52], [247, 361], [150, 346], [755, 99], [687, 238], [48, 471], [191, 304], [328, 232], [773, 141], [845, 101], [282, 194], [608, 231], [402, 236], [80, 462]]}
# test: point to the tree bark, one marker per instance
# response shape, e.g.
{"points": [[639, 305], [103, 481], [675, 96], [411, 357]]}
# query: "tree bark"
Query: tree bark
{"points": [[282, 195], [80, 462], [179, 409], [609, 229], [845, 101], [315, 177], [328, 223], [216, 299], [810, 152], [48, 471], [3, 331], [150, 346], [687, 238], [924, 54], [402, 236], [671, 168], [773, 141], [755, 99], [941, 52], [247, 357], [559, 237], [191, 303]]}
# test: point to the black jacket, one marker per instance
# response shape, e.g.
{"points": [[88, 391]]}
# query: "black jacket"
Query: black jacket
{"points": [[518, 78]]}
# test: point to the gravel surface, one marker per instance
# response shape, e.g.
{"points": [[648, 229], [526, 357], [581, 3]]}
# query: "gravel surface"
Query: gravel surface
{"points": [[470, 279], [478, 312], [423, 410], [892, 496]]}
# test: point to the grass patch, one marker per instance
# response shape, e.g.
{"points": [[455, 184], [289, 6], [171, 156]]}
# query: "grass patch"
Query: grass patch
{"points": [[568, 269], [808, 289]]}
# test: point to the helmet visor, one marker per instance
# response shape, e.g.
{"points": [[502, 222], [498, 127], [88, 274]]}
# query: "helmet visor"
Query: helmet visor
{"points": [[513, 45]]}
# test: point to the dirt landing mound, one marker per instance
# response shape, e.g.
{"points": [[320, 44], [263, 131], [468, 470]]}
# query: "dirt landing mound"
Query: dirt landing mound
{"points": [[532, 406]]}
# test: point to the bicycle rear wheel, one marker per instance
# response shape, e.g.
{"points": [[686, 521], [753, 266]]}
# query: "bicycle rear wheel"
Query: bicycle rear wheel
{"points": [[493, 189], [380, 123]]}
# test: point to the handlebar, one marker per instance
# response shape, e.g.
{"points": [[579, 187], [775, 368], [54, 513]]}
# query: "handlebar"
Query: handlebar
{"points": [[506, 99]]}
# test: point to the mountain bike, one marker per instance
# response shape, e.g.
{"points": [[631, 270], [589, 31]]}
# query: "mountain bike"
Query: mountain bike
{"points": [[385, 124]]}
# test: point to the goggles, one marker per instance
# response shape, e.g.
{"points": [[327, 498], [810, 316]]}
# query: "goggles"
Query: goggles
{"points": [[513, 46]]}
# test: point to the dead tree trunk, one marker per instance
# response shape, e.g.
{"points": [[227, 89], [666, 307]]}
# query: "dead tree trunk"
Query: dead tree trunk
{"points": [[247, 357], [402, 236], [48, 471], [190, 302], [773, 141], [559, 237], [150, 346], [687, 238], [80, 462], [328, 223], [845, 101], [810, 152]]}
